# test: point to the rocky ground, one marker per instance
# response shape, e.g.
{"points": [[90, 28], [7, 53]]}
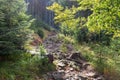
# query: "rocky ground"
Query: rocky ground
{"points": [[70, 64]]}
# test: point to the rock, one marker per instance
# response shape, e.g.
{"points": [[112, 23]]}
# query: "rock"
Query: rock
{"points": [[47, 77], [67, 71], [49, 47], [70, 66], [100, 78], [77, 57], [58, 75], [61, 71], [85, 65], [73, 65], [61, 56], [71, 69], [70, 47], [90, 74], [83, 78], [96, 76], [76, 77], [88, 67], [60, 64]]}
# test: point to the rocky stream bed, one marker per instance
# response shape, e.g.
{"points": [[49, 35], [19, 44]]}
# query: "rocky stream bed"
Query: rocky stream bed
{"points": [[70, 65]]}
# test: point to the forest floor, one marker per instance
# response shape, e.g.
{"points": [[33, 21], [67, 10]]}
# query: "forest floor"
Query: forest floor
{"points": [[70, 64]]}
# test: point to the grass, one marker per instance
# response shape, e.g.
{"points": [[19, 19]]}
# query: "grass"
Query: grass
{"points": [[106, 59], [14, 70], [26, 68]]}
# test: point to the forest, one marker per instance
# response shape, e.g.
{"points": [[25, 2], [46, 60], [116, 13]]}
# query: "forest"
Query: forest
{"points": [[59, 40]]}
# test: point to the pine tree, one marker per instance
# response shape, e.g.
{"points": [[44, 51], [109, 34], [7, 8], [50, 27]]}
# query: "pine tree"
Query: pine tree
{"points": [[14, 26]]}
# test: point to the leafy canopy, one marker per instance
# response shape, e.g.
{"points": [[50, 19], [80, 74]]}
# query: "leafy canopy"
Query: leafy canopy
{"points": [[64, 16], [105, 16]]}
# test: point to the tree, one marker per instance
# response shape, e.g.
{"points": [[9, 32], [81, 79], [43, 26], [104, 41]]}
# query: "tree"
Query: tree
{"points": [[65, 17], [14, 26], [105, 16]]}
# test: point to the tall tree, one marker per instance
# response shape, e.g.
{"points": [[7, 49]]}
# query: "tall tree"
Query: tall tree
{"points": [[105, 16], [65, 17], [14, 26]]}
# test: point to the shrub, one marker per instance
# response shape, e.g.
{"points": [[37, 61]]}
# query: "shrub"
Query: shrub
{"points": [[81, 35], [40, 32], [26, 68], [84, 35], [40, 24]]}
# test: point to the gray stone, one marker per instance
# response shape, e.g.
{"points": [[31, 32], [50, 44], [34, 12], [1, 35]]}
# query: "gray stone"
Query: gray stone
{"points": [[71, 69], [58, 75], [60, 64]]}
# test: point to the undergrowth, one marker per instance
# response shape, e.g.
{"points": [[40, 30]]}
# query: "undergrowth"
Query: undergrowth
{"points": [[28, 67], [105, 59]]}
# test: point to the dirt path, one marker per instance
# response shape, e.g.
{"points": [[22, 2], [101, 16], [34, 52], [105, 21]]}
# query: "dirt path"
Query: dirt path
{"points": [[70, 64]]}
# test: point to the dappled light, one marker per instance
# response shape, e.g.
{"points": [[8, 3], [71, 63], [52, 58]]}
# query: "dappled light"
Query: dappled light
{"points": [[59, 40]]}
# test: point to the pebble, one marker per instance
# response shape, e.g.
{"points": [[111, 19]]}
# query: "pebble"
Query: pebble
{"points": [[71, 69]]}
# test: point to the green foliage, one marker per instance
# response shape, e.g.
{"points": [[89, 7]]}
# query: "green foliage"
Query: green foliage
{"points": [[99, 29], [27, 67], [101, 24], [14, 26], [105, 15], [64, 17], [42, 50], [41, 62], [40, 24], [16, 70], [104, 58], [40, 33], [63, 48], [84, 35], [66, 39], [45, 66]]}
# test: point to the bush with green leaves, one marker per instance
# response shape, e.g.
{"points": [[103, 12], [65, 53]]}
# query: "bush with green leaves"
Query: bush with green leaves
{"points": [[40, 24], [40, 32], [84, 35], [105, 15], [27, 67], [75, 26]]}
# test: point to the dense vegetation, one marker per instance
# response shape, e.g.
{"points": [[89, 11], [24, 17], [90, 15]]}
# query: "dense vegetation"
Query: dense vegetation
{"points": [[91, 26], [14, 26], [99, 31], [16, 30]]}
